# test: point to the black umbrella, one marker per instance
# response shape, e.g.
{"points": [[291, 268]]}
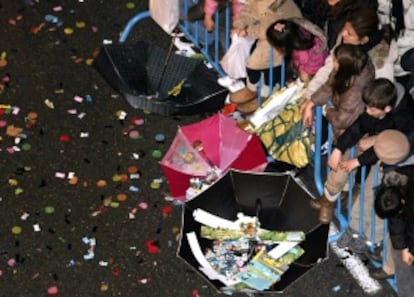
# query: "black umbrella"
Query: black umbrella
{"points": [[156, 79], [280, 204]]}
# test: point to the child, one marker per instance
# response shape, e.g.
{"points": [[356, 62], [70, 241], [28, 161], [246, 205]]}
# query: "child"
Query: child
{"points": [[379, 97], [394, 200], [391, 147], [352, 71], [211, 6], [302, 43], [253, 21]]}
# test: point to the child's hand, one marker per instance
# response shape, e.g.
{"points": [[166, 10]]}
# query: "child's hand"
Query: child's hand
{"points": [[335, 159], [407, 257], [304, 76], [208, 23], [306, 110], [366, 142], [240, 32], [349, 165]]}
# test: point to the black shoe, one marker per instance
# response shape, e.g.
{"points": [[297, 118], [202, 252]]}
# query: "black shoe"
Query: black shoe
{"points": [[379, 274], [375, 255]]}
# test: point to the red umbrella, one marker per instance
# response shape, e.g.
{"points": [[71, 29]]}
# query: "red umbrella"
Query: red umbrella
{"points": [[211, 146]]}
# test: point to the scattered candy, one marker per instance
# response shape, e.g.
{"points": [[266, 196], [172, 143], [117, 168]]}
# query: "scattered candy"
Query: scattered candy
{"points": [[64, 138], [121, 197], [16, 230], [130, 5], [156, 154], [53, 290], [49, 209], [160, 138], [134, 134], [152, 246], [104, 287], [68, 31]]}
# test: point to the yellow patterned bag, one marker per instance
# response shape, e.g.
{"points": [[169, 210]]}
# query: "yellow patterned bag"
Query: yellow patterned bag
{"points": [[285, 138]]}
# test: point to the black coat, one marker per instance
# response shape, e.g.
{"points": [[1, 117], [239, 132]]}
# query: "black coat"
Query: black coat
{"points": [[401, 227], [365, 124], [400, 118], [401, 234]]}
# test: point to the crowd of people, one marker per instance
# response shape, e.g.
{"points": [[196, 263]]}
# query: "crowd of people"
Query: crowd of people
{"points": [[356, 59]]}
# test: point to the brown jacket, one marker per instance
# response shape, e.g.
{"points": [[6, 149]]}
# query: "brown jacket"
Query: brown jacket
{"points": [[350, 105], [256, 16]]}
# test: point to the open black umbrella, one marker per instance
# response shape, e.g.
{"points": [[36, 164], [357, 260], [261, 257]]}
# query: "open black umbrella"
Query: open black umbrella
{"points": [[157, 79], [278, 202]]}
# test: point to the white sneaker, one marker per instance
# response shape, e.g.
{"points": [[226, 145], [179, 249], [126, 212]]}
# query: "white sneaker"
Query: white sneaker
{"points": [[184, 48], [225, 81], [233, 85], [237, 85]]}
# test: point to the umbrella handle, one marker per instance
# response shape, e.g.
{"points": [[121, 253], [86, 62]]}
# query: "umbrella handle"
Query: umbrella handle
{"points": [[258, 207]]}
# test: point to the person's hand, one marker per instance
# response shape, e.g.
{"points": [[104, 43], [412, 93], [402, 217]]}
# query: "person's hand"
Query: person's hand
{"points": [[407, 257], [305, 77], [366, 142], [335, 159], [349, 165], [306, 110], [239, 32], [209, 23]]}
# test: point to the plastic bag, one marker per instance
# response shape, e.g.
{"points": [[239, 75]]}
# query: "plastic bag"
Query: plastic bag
{"points": [[165, 13], [234, 61]]}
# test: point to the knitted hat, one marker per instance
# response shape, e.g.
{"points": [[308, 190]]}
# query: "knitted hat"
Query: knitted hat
{"points": [[391, 146], [388, 201]]}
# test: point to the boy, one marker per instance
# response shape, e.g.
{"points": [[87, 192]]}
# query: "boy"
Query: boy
{"points": [[379, 97]]}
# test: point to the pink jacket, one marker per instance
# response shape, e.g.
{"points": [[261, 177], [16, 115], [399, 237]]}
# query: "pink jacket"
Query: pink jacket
{"points": [[210, 7], [309, 61]]}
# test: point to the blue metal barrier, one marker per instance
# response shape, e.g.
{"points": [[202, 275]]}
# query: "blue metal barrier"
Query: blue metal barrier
{"points": [[211, 51]]}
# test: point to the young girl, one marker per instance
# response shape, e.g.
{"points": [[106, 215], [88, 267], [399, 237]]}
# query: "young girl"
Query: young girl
{"points": [[352, 70], [302, 43], [211, 6], [253, 21]]}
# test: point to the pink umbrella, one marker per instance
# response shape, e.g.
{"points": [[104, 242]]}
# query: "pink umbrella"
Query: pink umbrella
{"points": [[215, 144]]}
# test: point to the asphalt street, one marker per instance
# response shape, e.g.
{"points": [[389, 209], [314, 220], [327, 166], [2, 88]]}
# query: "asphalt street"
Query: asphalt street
{"points": [[82, 212]]}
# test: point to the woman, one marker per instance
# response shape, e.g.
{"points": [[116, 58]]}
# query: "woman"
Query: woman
{"points": [[336, 13], [360, 29]]}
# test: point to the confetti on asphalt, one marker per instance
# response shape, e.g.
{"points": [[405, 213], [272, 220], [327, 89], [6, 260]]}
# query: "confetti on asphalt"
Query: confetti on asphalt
{"points": [[82, 193]]}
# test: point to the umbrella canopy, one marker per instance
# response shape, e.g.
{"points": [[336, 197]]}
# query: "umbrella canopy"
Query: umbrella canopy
{"points": [[156, 79], [278, 202], [213, 144]]}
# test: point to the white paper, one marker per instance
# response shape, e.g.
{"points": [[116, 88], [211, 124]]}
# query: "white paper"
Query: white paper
{"points": [[213, 221], [205, 267], [282, 249], [273, 107]]}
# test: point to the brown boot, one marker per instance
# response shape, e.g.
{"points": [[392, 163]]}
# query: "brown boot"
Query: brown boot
{"points": [[326, 210], [248, 107], [243, 96], [315, 203]]}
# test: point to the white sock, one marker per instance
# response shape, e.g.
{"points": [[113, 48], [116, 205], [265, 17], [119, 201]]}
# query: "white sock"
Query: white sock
{"points": [[331, 197]]}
